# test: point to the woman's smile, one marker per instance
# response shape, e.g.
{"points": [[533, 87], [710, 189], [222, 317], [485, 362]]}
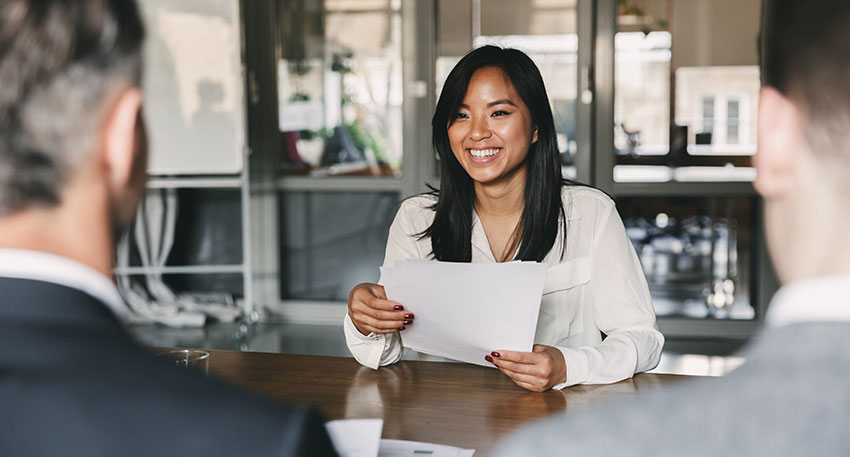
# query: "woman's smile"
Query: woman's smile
{"points": [[483, 155]]}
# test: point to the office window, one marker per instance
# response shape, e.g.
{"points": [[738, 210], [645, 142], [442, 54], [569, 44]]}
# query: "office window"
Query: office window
{"points": [[707, 119], [340, 87], [642, 88], [686, 85], [340, 113], [732, 121], [729, 97]]}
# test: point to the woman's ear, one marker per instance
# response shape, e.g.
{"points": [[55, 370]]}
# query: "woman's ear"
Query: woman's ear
{"points": [[534, 136], [780, 138]]}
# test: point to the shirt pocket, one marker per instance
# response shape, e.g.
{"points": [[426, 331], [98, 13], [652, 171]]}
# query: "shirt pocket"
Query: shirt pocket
{"points": [[567, 275], [561, 306]]}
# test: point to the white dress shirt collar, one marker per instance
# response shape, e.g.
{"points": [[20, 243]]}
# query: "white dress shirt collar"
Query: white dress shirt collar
{"points": [[41, 266], [811, 300], [482, 244]]}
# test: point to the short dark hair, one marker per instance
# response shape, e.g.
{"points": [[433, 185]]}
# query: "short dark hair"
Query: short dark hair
{"points": [[806, 56], [59, 62], [543, 212]]}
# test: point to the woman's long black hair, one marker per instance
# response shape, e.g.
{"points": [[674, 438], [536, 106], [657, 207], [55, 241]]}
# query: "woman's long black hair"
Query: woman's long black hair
{"points": [[543, 211]]}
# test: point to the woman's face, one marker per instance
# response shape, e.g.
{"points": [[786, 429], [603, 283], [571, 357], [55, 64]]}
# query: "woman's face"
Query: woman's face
{"points": [[492, 130]]}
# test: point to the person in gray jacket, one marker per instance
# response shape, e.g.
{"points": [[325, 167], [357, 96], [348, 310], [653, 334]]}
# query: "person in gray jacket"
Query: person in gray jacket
{"points": [[791, 396]]}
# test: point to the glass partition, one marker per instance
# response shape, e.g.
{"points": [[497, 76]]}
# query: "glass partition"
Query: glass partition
{"points": [[697, 253], [686, 90], [339, 85], [332, 241]]}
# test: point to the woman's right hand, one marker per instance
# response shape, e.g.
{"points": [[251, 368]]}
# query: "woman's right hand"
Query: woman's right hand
{"points": [[371, 312]]}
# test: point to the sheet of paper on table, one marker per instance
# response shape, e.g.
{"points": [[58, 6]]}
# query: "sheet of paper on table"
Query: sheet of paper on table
{"points": [[362, 438], [356, 437], [464, 311], [399, 448]]}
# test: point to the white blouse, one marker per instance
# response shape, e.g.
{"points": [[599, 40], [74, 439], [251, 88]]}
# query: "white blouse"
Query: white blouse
{"points": [[596, 306]]}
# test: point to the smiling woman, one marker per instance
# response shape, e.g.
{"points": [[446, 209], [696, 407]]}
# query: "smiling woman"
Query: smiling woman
{"points": [[502, 198], [501, 93]]}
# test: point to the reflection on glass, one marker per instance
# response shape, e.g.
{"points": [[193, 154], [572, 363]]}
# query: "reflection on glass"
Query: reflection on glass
{"points": [[193, 87], [543, 29], [718, 106], [695, 253], [733, 122], [332, 241], [642, 93], [686, 85], [340, 87]]}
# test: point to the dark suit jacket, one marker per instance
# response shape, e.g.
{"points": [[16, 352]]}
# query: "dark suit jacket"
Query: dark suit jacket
{"points": [[72, 383], [790, 398]]}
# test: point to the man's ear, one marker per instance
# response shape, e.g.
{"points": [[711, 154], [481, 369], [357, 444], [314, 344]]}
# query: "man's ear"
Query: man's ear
{"points": [[780, 137], [120, 138]]}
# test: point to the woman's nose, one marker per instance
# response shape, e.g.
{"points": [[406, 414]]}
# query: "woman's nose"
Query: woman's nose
{"points": [[479, 128]]}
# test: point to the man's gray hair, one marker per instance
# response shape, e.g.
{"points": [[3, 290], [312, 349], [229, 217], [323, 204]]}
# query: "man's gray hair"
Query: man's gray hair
{"points": [[60, 61]]}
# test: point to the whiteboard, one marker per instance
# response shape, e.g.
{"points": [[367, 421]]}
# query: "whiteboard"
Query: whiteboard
{"points": [[193, 83]]}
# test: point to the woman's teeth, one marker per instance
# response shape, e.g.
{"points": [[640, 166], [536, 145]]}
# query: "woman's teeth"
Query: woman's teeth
{"points": [[483, 153]]}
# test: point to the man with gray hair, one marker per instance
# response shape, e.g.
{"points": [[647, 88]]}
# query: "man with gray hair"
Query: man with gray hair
{"points": [[792, 396], [72, 170]]}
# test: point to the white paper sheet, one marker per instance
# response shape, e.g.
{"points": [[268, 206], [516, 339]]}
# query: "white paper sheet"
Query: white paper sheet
{"points": [[356, 437], [464, 311], [398, 448], [362, 438]]}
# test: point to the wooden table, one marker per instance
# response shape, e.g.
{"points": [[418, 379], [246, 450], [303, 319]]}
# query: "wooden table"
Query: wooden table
{"points": [[446, 403]]}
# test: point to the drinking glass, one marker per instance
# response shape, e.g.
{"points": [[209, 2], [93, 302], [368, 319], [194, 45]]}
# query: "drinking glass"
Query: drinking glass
{"points": [[199, 360]]}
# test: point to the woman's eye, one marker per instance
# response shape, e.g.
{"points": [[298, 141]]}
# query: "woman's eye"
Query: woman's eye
{"points": [[461, 116], [500, 113]]}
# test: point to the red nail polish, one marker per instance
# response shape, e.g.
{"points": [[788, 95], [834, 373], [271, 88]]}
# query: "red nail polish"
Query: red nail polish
{"points": [[408, 316], [496, 354], [488, 358], [401, 328], [398, 307], [406, 322]]}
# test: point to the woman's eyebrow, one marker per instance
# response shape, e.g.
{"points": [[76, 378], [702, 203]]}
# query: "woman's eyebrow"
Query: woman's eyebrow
{"points": [[503, 101]]}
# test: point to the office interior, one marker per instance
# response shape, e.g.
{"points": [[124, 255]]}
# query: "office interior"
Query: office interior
{"points": [[285, 134]]}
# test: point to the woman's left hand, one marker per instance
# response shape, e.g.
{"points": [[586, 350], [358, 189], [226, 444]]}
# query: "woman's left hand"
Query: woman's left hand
{"points": [[536, 371]]}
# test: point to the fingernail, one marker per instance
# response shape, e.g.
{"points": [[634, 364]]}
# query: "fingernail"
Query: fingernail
{"points": [[406, 322], [496, 354], [408, 316], [398, 307], [488, 358], [401, 328]]}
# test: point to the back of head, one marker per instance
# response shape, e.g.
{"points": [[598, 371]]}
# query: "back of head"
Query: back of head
{"points": [[806, 56], [60, 60]]}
